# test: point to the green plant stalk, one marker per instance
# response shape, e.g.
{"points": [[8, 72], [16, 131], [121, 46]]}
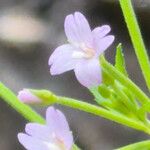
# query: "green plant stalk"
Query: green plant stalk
{"points": [[144, 145], [110, 69], [136, 38], [114, 116], [26, 111]]}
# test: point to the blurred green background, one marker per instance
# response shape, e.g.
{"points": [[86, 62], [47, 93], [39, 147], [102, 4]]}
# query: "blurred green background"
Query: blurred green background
{"points": [[29, 32]]}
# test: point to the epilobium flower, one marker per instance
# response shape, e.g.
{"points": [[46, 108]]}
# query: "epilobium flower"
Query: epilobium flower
{"points": [[82, 51], [27, 97], [55, 135]]}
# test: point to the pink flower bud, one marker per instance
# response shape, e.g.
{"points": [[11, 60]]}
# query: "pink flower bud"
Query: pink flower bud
{"points": [[27, 97]]}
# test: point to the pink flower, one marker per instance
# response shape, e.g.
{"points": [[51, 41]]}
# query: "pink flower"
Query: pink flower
{"points": [[82, 51], [55, 135], [27, 97]]}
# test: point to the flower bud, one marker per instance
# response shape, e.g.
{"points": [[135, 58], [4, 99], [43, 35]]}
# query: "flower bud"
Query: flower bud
{"points": [[27, 97]]}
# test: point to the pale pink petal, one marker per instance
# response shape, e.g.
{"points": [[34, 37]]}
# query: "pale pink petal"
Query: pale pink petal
{"points": [[27, 97], [101, 44], [67, 137], [88, 72], [65, 134], [83, 28], [61, 59], [56, 120], [39, 131], [101, 31], [57, 123], [71, 29], [31, 143], [77, 29]]}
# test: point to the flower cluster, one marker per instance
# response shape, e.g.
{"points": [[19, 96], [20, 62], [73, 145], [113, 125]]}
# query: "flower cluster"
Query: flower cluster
{"points": [[80, 54]]}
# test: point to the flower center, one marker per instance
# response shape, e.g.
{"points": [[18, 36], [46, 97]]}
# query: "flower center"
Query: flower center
{"points": [[57, 144], [86, 52], [52, 146]]}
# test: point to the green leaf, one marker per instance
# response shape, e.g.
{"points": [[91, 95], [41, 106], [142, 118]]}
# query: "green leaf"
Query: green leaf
{"points": [[144, 145], [120, 61]]}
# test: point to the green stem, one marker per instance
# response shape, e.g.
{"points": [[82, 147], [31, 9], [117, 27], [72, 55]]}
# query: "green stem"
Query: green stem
{"points": [[23, 109], [144, 145], [110, 69], [136, 38], [103, 113]]}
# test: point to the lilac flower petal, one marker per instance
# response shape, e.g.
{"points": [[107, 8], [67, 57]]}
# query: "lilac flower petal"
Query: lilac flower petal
{"points": [[67, 137], [101, 31], [102, 44], [61, 59], [56, 120], [65, 134], [83, 28], [88, 72], [27, 97], [39, 131], [71, 29], [31, 143], [77, 29], [57, 123]]}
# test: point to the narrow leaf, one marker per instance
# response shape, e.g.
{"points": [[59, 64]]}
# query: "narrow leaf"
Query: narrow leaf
{"points": [[120, 61]]}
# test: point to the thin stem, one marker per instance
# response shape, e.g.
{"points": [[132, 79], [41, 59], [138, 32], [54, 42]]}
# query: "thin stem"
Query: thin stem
{"points": [[136, 38], [103, 113], [137, 146], [26, 111], [110, 69]]}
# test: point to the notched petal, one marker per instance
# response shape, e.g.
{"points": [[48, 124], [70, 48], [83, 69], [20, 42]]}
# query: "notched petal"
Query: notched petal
{"points": [[88, 73], [101, 31], [61, 59], [102, 44]]}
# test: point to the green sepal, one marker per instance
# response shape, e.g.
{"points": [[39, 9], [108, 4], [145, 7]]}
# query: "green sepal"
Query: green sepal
{"points": [[120, 61], [98, 98], [104, 91], [46, 97], [107, 79]]}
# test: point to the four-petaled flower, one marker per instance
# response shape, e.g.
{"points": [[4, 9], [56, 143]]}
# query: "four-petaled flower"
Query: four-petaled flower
{"points": [[82, 51], [55, 135]]}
